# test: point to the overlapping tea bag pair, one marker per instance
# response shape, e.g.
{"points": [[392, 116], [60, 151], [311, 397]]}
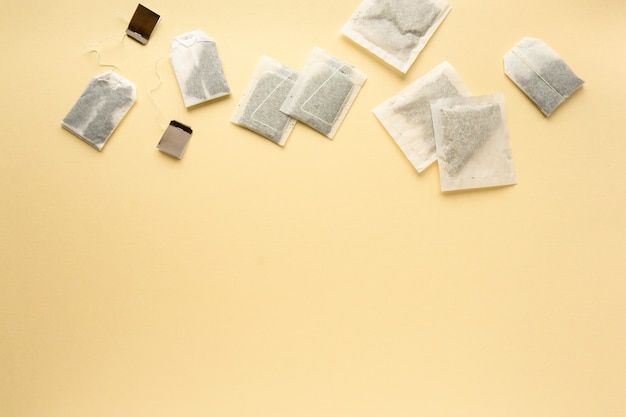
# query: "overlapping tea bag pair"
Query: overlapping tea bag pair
{"points": [[435, 118], [396, 30], [277, 96], [109, 97]]}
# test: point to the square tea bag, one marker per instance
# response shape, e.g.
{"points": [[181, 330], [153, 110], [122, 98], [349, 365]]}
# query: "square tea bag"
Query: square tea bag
{"points": [[100, 108], [407, 116], [324, 92], [396, 30], [198, 68], [541, 74], [472, 142], [259, 109]]}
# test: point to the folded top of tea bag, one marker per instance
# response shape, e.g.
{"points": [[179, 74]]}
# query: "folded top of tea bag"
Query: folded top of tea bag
{"points": [[541, 74], [100, 108], [396, 30], [198, 68]]}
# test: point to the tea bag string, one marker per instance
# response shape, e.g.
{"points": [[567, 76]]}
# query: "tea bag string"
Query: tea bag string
{"points": [[93, 47], [525, 61], [157, 85]]}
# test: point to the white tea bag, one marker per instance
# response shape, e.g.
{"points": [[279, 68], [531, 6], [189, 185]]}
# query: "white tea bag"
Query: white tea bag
{"points": [[100, 108], [198, 68], [258, 110], [541, 74], [396, 30], [324, 92], [472, 142], [407, 116]]}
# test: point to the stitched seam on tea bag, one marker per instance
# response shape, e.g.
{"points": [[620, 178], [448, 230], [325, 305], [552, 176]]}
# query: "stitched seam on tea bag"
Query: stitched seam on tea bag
{"points": [[525, 61], [318, 89], [263, 102]]}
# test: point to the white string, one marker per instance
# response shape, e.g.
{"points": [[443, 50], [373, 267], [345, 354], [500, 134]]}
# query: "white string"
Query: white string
{"points": [[92, 48], [157, 85]]}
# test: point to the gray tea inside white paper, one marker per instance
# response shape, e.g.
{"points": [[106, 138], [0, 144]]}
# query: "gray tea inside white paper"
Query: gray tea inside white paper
{"points": [[99, 109], [207, 74], [464, 130], [262, 114], [397, 25]]}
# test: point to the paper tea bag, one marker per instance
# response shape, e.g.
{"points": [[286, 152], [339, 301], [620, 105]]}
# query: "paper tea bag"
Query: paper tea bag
{"points": [[407, 116], [324, 92], [472, 142], [198, 68], [396, 30], [541, 74], [100, 108], [260, 104]]}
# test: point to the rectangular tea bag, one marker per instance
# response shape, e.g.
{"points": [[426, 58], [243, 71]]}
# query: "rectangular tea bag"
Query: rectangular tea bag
{"points": [[472, 142], [258, 110], [324, 92], [541, 74], [396, 30], [407, 116], [198, 68], [100, 108]]}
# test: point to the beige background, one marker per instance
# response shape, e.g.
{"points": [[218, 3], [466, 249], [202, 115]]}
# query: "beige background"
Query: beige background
{"points": [[327, 278]]}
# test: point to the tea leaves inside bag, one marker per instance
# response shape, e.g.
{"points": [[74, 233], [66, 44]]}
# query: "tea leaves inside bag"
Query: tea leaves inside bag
{"points": [[324, 92], [472, 140], [541, 74], [407, 117], [259, 109], [396, 30], [100, 108]]}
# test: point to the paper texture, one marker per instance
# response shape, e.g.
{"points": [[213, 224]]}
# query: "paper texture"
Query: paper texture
{"points": [[407, 117], [472, 140], [324, 92], [198, 68], [100, 108], [396, 30], [259, 108], [541, 74]]}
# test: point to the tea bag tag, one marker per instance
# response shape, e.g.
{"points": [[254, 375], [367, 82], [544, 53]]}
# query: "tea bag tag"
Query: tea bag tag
{"points": [[142, 24], [175, 139]]}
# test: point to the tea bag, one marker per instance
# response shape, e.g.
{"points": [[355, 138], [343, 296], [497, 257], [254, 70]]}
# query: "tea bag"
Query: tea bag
{"points": [[198, 68], [396, 30], [541, 74], [100, 108], [324, 92], [472, 142], [266, 92], [407, 116]]}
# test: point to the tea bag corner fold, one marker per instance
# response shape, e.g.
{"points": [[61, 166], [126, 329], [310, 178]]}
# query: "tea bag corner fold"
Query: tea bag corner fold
{"points": [[541, 74], [259, 108], [100, 108], [198, 68], [407, 116], [323, 93], [472, 140], [396, 30]]}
